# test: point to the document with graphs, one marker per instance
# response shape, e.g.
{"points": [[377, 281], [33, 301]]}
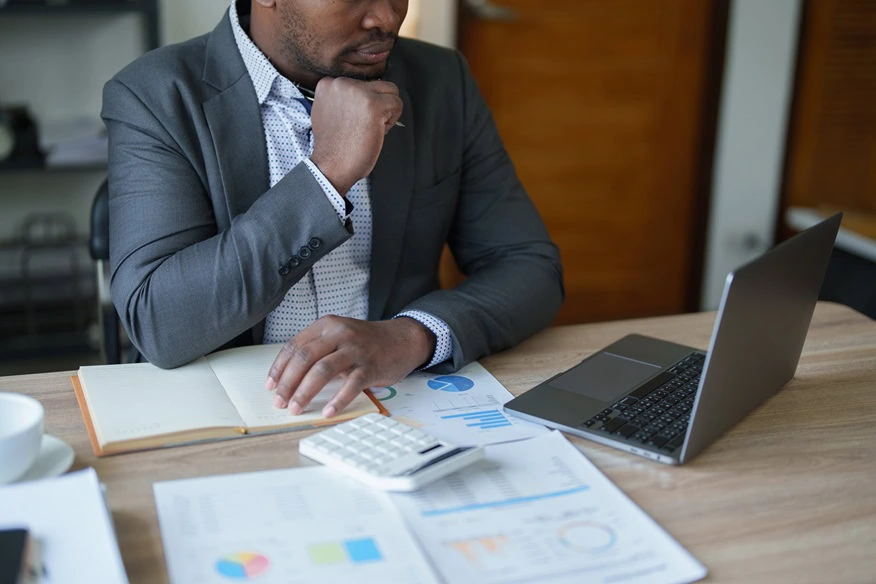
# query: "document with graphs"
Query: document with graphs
{"points": [[294, 526], [539, 511], [464, 408]]}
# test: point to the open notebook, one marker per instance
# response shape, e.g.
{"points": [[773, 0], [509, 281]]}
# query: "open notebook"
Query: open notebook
{"points": [[139, 406]]}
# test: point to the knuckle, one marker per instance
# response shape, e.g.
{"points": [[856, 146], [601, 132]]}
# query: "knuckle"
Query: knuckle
{"points": [[324, 368], [302, 355], [357, 379]]}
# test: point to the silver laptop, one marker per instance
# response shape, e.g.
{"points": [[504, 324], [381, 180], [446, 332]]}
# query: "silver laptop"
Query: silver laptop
{"points": [[667, 402]]}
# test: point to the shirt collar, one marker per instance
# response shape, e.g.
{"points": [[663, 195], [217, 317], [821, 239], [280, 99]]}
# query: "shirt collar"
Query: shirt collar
{"points": [[262, 73]]}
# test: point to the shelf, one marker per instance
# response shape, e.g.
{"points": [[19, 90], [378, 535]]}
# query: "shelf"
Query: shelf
{"points": [[48, 7], [24, 168], [148, 8]]}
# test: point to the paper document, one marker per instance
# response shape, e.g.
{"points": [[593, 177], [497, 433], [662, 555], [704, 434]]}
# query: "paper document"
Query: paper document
{"points": [[464, 408], [287, 527], [539, 511], [68, 518]]}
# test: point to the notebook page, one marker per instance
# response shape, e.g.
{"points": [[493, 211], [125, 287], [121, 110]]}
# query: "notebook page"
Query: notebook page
{"points": [[140, 400], [243, 371]]}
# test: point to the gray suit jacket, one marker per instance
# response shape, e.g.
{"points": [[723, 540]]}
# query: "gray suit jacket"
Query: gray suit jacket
{"points": [[202, 249]]}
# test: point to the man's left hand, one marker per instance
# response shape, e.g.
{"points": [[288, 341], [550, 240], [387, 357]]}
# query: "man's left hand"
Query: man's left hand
{"points": [[364, 354]]}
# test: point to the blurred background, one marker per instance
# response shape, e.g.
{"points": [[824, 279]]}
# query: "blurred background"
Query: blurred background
{"points": [[665, 142]]}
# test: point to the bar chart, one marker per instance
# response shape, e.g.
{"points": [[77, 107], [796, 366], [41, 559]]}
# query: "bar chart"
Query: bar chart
{"points": [[485, 419]]}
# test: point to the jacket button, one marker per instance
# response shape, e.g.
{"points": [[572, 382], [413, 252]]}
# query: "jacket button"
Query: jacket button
{"points": [[284, 271], [293, 263], [304, 253], [315, 243]]}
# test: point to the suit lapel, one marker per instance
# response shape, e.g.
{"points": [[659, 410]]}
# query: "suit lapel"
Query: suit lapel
{"points": [[392, 183], [235, 124]]}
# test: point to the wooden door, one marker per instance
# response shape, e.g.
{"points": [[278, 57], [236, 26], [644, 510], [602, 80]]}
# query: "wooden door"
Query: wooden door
{"points": [[607, 109]]}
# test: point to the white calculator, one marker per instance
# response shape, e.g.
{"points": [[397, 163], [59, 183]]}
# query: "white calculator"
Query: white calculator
{"points": [[386, 454]]}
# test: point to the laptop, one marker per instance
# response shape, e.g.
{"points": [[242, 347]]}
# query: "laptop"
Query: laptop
{"points": [[667, 402]]}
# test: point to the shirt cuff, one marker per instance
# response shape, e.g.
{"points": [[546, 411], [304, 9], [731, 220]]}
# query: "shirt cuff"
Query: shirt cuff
{"points": [[443, 341], [341, 205]]}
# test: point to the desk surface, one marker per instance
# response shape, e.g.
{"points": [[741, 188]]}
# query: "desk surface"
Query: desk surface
{"points": [[788, 495]]}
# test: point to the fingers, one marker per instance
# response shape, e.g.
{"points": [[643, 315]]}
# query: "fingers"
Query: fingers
{"points": [[384, 87], [322, 372], [302, 357], [287, 351], [353, 386], [392, 110]]}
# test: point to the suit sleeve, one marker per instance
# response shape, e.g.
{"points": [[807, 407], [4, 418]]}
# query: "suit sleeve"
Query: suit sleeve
{"points": [[515, 281], [181, 287]]}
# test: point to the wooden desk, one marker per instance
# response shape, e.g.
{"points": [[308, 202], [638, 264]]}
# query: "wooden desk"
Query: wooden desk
{"points": [[788, 495]]}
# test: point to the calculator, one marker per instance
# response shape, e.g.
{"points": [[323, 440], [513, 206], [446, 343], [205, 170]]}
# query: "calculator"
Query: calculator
{"points": [[386, 454]]}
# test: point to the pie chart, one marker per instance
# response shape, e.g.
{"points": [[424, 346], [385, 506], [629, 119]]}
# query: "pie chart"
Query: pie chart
{"points": [[242, 566], [451, 383]]}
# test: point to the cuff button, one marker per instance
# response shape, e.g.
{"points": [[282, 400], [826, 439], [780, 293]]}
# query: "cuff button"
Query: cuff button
{"points": [[315, 243], [304, 253]]}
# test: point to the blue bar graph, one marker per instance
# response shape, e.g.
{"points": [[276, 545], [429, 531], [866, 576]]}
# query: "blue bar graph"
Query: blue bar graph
{"points": [[486, 419]]}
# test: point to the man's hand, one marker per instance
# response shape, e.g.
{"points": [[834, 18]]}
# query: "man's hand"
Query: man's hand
{"points": [[364, 354], [350, 119]]}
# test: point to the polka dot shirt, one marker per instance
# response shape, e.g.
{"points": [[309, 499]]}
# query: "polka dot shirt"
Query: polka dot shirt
{"points": [[338, 283]]}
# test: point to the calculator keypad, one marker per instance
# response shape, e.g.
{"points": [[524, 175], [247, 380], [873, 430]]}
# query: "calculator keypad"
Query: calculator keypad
{"points": [[376, 445]]}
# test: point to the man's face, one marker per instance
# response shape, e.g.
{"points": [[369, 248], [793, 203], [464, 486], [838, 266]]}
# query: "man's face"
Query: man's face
{"points": [[341, 38]]}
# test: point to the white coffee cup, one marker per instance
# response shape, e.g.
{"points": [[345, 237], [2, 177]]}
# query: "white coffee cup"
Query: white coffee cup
{"points": [[21, 434]]}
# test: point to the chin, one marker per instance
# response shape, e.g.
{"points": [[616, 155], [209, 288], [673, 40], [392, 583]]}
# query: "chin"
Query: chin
{"points": [[365, 72]]}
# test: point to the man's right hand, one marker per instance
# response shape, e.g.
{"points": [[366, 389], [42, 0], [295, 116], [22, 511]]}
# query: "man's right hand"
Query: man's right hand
{"points": [[350, 119]]}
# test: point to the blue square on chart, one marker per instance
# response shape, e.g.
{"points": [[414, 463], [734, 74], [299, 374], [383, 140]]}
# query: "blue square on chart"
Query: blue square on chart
{"points": [[362, 550]]}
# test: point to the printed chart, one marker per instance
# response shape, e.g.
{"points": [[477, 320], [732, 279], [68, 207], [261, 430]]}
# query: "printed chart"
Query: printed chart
{"points": [[484, 419], [464, 408], [349, 551], [294, 526], [538, 511], [450, 383], [242, 566]]}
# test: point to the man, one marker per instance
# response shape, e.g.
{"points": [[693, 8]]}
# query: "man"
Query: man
{"points": [[243, 212]]}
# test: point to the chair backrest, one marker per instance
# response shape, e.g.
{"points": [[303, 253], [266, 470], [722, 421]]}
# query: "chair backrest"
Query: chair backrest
{"points": [[98, 242]]}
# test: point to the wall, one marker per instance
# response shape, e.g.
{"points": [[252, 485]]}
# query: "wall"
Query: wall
{"points": [[749, 155], [437, 21], [184, 19]]}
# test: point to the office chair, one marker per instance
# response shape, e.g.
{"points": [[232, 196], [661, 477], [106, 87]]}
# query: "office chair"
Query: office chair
{"points": [[98, 247]]}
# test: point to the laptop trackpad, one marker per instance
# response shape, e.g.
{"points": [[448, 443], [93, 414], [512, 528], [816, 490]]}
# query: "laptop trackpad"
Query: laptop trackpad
{"points": [[605, 376]]}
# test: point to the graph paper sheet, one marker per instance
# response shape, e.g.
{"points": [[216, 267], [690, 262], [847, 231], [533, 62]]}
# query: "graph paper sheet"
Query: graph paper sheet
{"points": [[539, 511], [464, 408], [291, 526]]}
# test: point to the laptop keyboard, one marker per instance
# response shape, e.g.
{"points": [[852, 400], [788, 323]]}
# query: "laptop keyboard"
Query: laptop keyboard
{"points": [[656, 414]]}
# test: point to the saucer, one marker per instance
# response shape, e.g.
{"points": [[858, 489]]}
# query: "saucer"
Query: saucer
{"points": [[54, 459]]}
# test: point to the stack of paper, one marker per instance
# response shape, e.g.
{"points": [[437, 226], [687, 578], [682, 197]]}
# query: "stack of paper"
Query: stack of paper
{"points": [[533, 511], [69, 520], [80, 142]]}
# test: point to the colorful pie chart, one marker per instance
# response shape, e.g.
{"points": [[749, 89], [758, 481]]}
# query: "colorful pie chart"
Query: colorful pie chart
{"points": [[242, 565]]}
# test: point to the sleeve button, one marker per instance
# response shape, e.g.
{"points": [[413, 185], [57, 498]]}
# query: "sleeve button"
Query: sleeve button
{"points": [[315, 243], [284, 271], [304, 253]]}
